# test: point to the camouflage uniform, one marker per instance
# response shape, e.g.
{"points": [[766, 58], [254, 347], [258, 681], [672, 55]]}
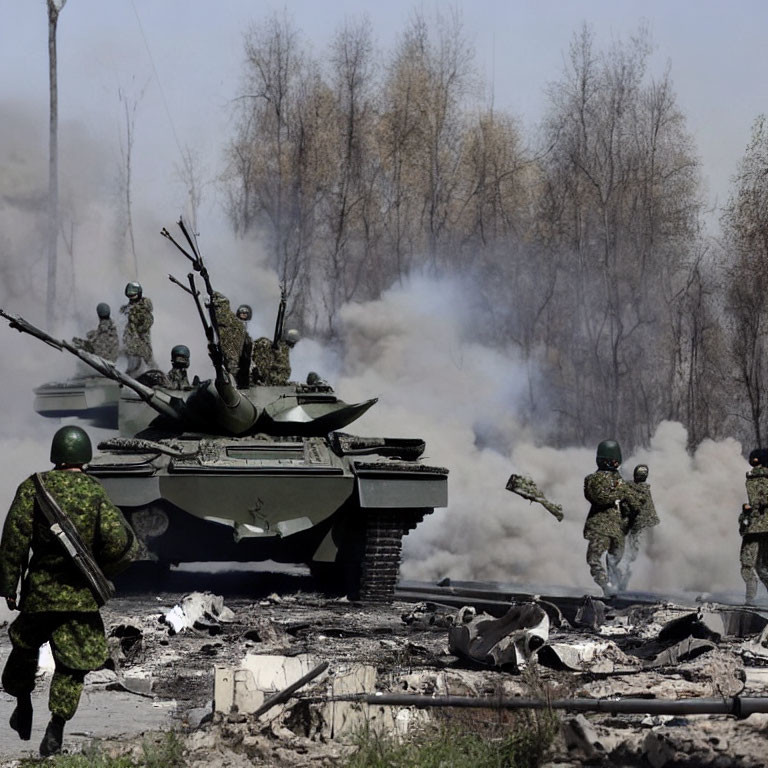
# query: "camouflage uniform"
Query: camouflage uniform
{"points": [[271, 367], [753, 526], [137, 343], [604, 528], [177, 379], [637, 525], [102, 341], [56, 603], [231, 334]]}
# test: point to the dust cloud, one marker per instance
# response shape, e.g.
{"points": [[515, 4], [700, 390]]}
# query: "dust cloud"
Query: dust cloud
{"points": [[413, 350]]}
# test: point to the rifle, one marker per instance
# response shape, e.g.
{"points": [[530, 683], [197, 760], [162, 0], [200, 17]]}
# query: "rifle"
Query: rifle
{"points": [[280, 318], [69, 538], [210, 326], [160, 401], [524, 486]]}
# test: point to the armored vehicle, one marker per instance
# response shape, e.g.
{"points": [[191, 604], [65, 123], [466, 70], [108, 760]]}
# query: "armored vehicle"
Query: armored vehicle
{"points": [[218, 473], [91, 398]]}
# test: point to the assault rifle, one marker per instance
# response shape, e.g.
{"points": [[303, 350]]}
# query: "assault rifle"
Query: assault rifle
{"points": [[166, 404], [280, 321], [69, 537]]}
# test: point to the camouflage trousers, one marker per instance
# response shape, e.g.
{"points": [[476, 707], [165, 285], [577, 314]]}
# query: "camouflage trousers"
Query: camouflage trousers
{"points": [[78, 645], [754, 562], [613, 547]]}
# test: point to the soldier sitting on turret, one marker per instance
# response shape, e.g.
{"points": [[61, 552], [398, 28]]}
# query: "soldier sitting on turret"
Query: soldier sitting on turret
{"points": [[177, 376], [272, 366], [137, 343], [244, 314], [102, 341]]}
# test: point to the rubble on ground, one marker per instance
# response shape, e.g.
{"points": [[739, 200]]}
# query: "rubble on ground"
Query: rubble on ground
{"points": [[220, 660]]}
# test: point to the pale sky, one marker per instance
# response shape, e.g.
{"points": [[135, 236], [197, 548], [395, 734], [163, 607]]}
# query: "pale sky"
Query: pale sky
{"points": [[717, 53]]}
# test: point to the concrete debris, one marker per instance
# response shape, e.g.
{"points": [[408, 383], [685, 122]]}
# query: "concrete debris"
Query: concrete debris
{"points": [[508, 641], [581, 736], [756, 650], [601, 656], [429, 615], [591, 613], [687, 649], [201, 610]]}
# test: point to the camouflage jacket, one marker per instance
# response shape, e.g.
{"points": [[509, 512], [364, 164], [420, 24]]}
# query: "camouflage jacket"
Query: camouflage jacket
{"points": [[136, 335], [177, 379], [271, 367], [231, 333], [103, 341], [646, 516], [607, 493], [52, 581], [756, 519]]}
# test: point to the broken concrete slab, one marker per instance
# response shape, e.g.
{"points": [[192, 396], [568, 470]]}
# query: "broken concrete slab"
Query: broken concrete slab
{"points": [[198, 608], [508, 641], [687, 649]]}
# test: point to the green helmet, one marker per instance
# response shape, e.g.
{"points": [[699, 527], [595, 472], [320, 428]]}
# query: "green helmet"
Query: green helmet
{"points": [[102, 310], [180, 354], [640, 474], [292, 337], [608, 454], [71, 445], [244, 312], [133, 289]]}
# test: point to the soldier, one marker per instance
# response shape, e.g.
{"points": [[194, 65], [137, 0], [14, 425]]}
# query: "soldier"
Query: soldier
{"points": [[177, 376], [753, 525], [606, 492], [244, 314], [57, 604], [638, 523], [272, 367], [231, 334], [137, 343], [103, 340]]}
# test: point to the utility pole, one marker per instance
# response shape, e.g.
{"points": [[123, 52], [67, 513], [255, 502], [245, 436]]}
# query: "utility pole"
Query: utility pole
{"points": [[54, 8]]}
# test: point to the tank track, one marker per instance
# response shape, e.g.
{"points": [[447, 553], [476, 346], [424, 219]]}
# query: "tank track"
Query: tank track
{"points": [[383, 548]]}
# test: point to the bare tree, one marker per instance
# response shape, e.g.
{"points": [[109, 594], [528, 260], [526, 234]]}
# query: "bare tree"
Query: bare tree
{"points": [[54, 8], [745, 227]]}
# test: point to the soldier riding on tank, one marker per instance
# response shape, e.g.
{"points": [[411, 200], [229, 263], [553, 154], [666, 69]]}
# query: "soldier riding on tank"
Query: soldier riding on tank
{"points": [[753, 525], [103, 340], [137, 343], [177, 376]]}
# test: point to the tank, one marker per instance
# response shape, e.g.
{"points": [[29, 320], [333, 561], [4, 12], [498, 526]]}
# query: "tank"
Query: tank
{"points": [[90, 398], [218, 473]]}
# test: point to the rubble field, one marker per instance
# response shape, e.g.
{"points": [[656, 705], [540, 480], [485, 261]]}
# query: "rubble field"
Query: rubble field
{"points": [[207, 666]]}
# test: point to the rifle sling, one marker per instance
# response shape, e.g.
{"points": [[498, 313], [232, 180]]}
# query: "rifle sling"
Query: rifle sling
{"points": [[84, 561]]}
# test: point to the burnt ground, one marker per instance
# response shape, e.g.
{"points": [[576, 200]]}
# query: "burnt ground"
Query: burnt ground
{"points": [[165, 681]]}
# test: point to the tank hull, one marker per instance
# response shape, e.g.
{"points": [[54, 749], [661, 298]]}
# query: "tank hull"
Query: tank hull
{"points": [[293, 499], [92, 398]]}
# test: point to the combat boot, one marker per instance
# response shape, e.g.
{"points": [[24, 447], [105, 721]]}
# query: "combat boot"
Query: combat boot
{"points": [[21, 719], [54, 735]]}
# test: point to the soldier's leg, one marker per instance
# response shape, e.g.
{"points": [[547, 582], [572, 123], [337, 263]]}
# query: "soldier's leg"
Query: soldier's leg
{"points": [[66, 688], [748, 559], [597, 547], [615, 553], [761, 565]]}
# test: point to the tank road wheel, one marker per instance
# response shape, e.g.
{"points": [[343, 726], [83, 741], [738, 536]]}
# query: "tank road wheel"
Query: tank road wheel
{"points": [[380, 565]]}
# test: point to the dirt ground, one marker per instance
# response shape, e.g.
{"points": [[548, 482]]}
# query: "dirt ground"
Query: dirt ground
{"points": [[165, 681]]}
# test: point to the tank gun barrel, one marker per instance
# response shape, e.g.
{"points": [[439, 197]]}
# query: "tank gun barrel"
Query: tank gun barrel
{"points": [[163, 403]]}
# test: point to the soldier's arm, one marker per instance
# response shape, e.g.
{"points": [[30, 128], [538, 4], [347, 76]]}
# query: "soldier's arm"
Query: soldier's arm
{"points": [[757, 492], [16, 539], [118, 546], [603, 490]]}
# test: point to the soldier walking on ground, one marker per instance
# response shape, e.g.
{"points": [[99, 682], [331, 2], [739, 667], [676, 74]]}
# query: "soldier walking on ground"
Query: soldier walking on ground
{"points": [[177, 376], [103, 340], [137, 343], [638, 523], [57, 603], [607, 492], [753, 525]]}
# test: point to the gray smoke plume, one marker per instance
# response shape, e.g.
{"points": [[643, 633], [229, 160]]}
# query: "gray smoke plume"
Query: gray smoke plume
{"points": [[411, 349]]}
